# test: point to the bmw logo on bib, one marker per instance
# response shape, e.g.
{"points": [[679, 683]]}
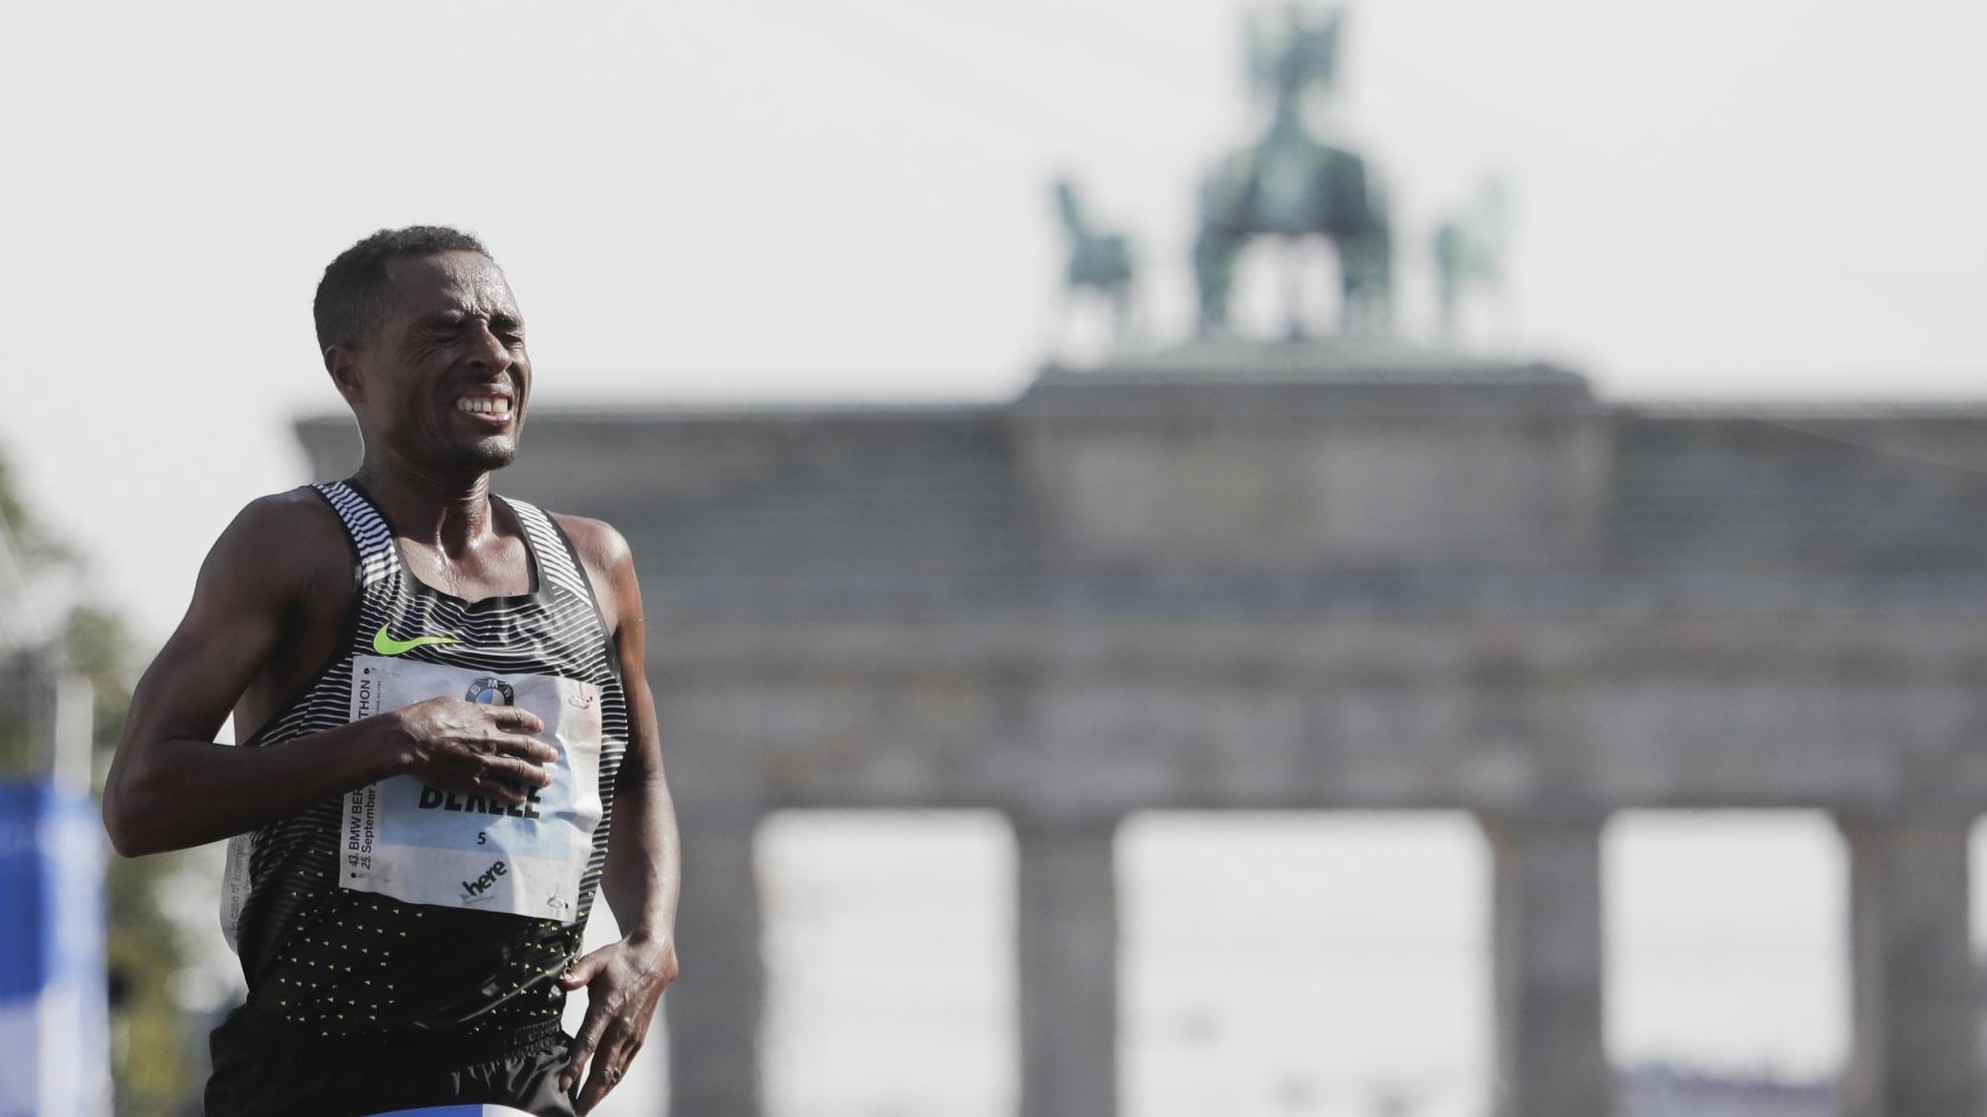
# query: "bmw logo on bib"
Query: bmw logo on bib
{"points": [[492, 692]]}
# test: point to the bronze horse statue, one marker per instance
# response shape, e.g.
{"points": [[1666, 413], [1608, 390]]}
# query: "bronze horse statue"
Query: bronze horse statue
{"points": [[1291, 185], [1099, 261], [1469, 252]]}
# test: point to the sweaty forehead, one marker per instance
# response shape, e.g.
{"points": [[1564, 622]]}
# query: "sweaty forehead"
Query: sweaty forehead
{"points": [[469, 282]]}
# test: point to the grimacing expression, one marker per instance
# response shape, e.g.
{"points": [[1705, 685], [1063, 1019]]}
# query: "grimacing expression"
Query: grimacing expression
{"points": [[444, 381]]}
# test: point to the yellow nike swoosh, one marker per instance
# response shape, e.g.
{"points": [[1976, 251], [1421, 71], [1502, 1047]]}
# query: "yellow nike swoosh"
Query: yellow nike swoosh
{"points": [[387, 645]]}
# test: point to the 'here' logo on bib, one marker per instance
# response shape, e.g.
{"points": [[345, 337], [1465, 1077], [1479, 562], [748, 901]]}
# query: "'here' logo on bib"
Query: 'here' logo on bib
{"points": [[425, 845]]}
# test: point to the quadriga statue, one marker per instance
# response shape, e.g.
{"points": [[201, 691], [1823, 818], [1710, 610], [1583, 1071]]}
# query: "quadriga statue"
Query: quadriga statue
{"points": [[1291, 185]]}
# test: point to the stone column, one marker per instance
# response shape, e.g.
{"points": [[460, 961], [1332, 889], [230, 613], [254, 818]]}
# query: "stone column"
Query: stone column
{"points": [[714, 1008], [1546, 966], [1068, 945], [1916, 1043]]}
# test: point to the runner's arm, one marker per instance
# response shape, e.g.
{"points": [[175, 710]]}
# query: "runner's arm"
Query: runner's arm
{"points": [[625, 980], [643, 874], [170, 786]]}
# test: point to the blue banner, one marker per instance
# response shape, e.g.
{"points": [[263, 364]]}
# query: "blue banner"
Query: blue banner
{"points": [[54, 1033]]}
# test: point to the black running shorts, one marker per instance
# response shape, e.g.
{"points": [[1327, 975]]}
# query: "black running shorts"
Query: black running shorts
{"points": [[261, 1070]]}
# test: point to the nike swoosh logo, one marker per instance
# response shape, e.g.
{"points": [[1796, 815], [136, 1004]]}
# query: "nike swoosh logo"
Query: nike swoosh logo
{"points": [[387, 645]]}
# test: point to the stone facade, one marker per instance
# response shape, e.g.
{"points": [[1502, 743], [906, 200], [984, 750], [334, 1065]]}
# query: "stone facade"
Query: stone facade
{"points": [[1312, 575]]}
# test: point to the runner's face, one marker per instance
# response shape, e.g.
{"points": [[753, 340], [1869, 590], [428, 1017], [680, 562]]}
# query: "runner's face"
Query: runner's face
{"points": [[449, 364]]}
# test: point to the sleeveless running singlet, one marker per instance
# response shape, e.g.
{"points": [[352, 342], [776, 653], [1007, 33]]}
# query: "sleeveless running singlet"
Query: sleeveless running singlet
{"points": [[399, 911]]}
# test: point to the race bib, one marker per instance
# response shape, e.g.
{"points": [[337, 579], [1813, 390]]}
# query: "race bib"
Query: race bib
{"points": [[235, 887], [404, 839]]}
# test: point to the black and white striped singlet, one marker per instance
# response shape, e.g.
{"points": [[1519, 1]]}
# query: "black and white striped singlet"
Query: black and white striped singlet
{"points": [[331, 962]]}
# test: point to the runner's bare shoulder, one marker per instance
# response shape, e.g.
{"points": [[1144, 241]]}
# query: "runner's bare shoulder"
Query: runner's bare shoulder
{"points": [[605, 554], [600, 546], [287, 548]]}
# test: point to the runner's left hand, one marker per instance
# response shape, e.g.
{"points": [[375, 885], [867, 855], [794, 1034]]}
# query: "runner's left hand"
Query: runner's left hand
{"points": [[623, 982]]}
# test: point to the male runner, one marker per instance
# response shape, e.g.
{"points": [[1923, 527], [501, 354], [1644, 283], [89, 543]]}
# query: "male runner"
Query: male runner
{"points": [[441, 699]]}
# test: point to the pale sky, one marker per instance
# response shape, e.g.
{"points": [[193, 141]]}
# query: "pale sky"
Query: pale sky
{"points": [[832, 201], [797, 200]]}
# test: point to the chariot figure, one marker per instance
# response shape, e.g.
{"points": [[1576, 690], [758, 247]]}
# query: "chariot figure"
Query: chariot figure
{"points": [[1289, 184]]}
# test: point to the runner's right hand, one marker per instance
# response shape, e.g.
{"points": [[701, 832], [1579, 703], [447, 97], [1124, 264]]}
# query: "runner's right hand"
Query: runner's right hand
{"points": [[472, 747]]}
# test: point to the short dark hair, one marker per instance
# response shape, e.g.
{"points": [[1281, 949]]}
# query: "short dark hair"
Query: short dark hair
{"points": [[355, 295]]}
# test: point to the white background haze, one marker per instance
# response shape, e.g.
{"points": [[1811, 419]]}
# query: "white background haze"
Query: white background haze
{"points": [[796, 200]]}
